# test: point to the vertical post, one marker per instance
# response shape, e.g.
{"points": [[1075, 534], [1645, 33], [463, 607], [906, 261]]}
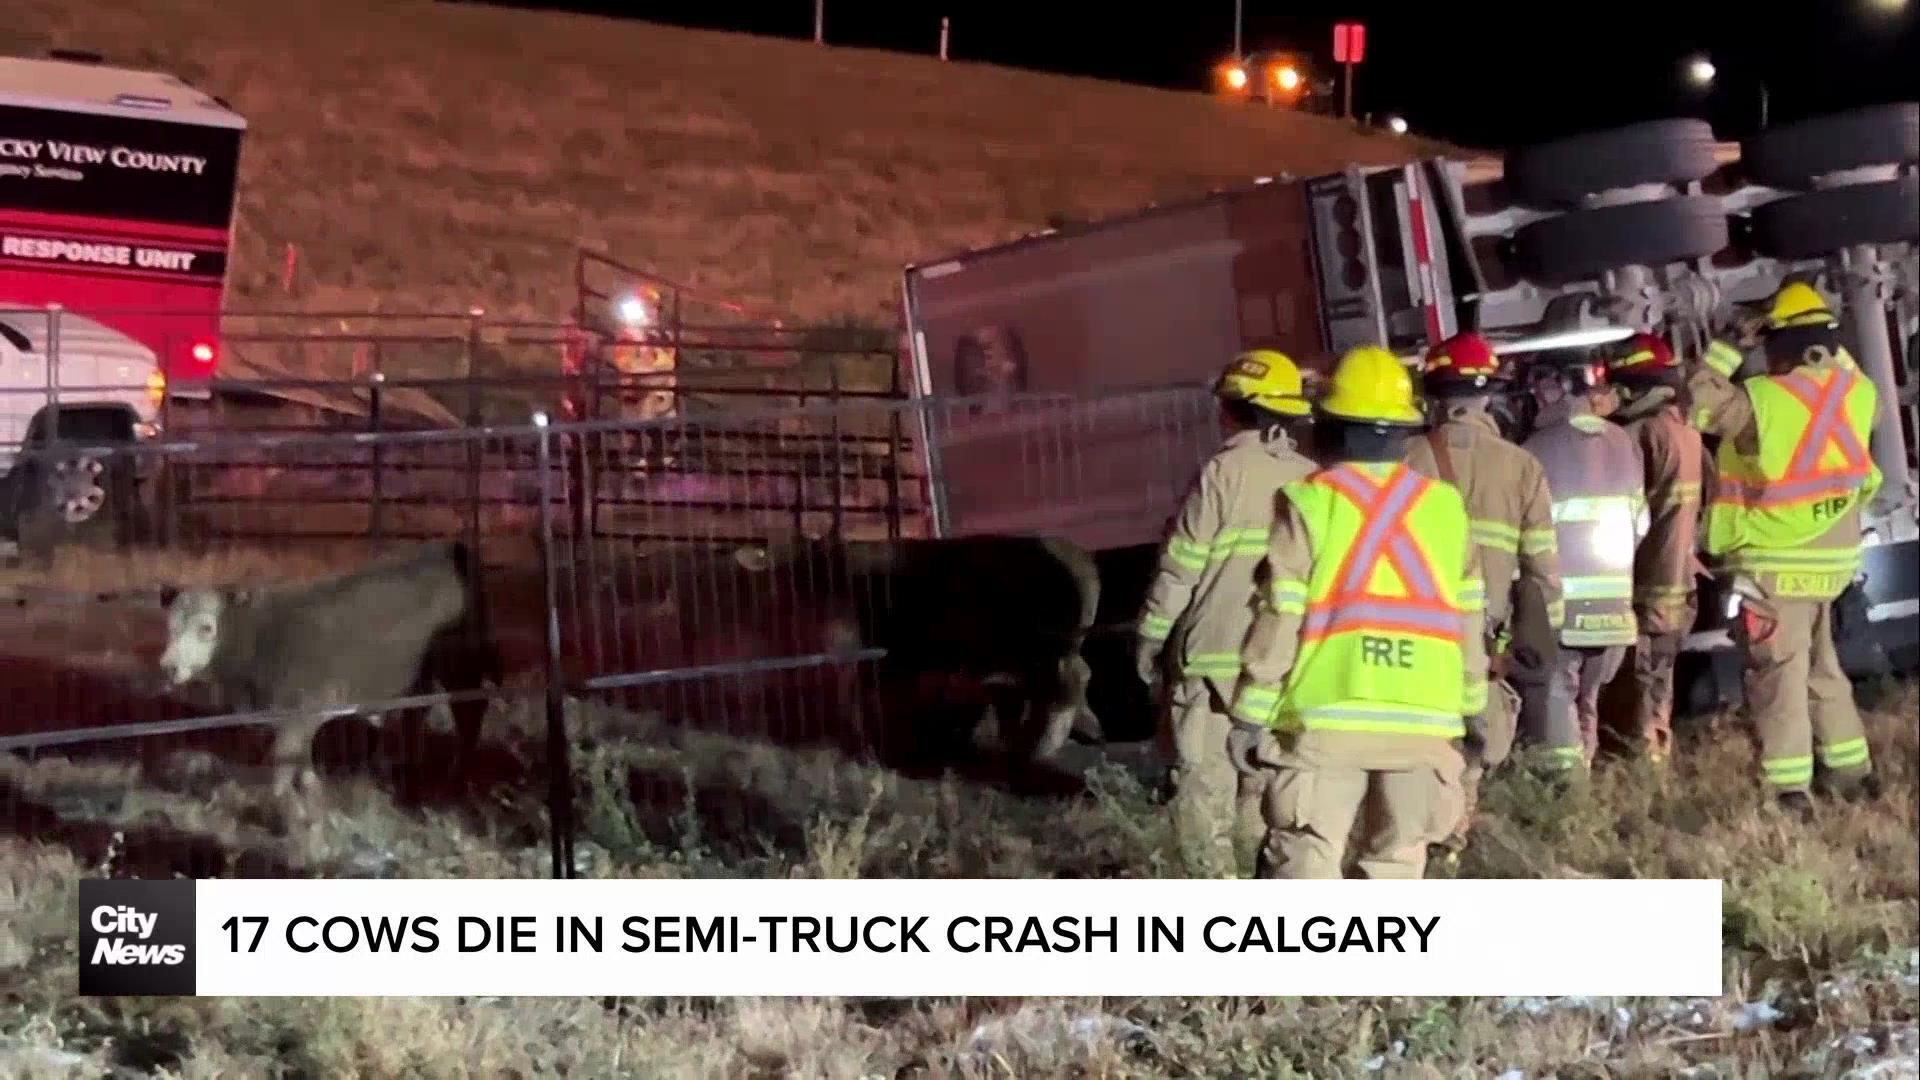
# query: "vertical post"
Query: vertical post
{"points": [[1239, 8], [837, 462], [1763, 104], [375, 507], [945, 27], [473, 421], [53, 373], [896, 445], [1347, 110], [559, 766], [819, 22], [1866, 311]]}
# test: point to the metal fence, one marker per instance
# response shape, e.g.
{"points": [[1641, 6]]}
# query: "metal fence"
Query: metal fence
{"points": [[648, 582]]}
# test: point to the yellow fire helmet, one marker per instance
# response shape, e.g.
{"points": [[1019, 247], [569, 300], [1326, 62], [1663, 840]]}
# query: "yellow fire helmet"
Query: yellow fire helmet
{"points": [[1266, 378], [1371, 386], [1799, 304]]}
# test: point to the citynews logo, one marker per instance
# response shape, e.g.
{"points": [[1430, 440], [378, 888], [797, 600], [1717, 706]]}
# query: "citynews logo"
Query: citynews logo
{"points": [[136, 937]]}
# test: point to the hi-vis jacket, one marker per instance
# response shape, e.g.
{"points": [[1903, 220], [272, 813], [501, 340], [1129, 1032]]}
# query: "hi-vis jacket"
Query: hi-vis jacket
{"points": [[1599, 515], [1675, 461], [1201, 600], [1371, 621], [1793, 471], [1510, 506]]}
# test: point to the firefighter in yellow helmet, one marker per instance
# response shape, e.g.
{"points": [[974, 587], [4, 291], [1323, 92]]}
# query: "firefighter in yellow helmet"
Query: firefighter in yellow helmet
{"points": [[1793, 470], [1196, 612], [1512, 522], [1365, 664]]}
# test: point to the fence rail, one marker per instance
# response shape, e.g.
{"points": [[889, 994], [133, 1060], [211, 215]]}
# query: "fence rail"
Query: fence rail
{"points": [[700, 569]]}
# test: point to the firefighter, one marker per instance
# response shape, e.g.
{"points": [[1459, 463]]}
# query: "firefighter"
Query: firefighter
{"points": [[1648, 388], [1512, 522], [1365, 665], [1599, 515], [1793, 470], [1197, 609]]}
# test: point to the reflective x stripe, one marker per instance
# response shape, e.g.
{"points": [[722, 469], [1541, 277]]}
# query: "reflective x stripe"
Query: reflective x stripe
{"points": [[1805, 480], [1686, 493], [1155, 627], [1385, 536], [1826, 430], [1567, 757]]}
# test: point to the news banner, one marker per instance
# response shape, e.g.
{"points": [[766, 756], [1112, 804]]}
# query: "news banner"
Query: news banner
{"points": [[897, 938]]}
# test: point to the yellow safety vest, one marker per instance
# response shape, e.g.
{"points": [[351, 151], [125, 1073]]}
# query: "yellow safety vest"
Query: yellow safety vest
{"points": [[1381, 647], [1772, 511]]}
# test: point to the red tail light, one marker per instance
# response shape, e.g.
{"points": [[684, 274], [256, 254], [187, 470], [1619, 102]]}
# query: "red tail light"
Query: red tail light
{"points": [[200, 359]]}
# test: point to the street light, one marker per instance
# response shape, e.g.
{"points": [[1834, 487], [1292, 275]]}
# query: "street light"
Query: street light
{"points": [[1397, 125], [1700, 71]]}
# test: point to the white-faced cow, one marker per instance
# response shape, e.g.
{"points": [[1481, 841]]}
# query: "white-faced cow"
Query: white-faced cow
{"points": [[392, 629]]}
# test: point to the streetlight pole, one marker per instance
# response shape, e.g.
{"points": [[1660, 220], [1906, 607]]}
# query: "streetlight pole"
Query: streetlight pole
{"points": [[819, 21], [1763, 104], [1238, 5]]}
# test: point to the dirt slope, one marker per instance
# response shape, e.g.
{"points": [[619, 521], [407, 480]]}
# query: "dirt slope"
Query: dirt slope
{"points": [[439, 156]]}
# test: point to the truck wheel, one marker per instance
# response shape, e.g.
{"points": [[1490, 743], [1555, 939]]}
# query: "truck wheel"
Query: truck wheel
{"points": [[1792, 155], [1558, 174], [1588, 242], [79, 500], [1825, 221]]}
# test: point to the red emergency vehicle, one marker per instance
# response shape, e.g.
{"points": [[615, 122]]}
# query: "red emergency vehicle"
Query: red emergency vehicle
{"points": [[117, 193]]}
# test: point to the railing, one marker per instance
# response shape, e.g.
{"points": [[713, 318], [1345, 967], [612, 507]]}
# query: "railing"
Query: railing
{"points": [[754, 627]]}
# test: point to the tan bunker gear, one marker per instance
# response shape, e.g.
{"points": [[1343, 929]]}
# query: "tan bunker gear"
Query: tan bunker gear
{"points": [[1511, 514], [1196, 615], [1366, 652], [1648, 375], [1793, 472], [1599, 512]]}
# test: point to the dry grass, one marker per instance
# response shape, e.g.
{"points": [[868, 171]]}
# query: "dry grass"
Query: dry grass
{"points": [[438, 156], [1821, 923]]}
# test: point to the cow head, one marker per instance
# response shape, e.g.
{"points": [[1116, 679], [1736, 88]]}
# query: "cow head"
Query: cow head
{"points": [[193, 630]]}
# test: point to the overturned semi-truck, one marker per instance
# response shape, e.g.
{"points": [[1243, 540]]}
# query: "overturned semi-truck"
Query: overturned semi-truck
{"points": [[1655, 226]]}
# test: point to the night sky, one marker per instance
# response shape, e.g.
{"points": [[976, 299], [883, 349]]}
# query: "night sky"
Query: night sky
{"points": [[1502, 74]]}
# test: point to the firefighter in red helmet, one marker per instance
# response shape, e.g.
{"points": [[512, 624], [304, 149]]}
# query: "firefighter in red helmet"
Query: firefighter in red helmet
{"points": [[1512, 525]]}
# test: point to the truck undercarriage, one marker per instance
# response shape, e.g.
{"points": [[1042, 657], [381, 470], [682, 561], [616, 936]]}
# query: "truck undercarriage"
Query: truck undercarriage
{"points": [[1655, 226]]}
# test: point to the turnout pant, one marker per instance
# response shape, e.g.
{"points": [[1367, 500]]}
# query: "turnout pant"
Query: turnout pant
{"points": [[1403, 800], [1487, 753], [1216, 810], [1651, 724], [1565, 717], [1798, 696]]}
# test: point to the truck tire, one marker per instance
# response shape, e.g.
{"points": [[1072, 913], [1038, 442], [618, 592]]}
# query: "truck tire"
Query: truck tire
{"points": [[76, 500], [1821, 222], [1558, 174], [1588, 242], [1792, 155]]}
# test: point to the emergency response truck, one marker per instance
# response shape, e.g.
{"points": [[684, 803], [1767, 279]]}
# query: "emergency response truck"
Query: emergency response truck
{"points": [[117, 192], [1569, 244]]}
